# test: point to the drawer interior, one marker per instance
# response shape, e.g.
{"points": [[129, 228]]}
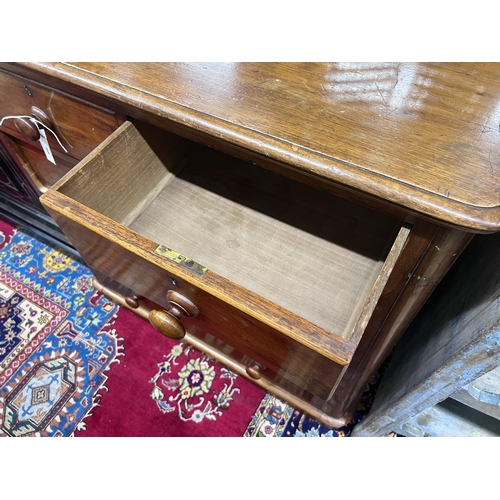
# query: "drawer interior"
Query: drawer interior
{"points": [[305, 250]]}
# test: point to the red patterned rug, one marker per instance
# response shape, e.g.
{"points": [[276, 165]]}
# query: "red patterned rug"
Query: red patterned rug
{"points": [[72, 363], [164, 388]]}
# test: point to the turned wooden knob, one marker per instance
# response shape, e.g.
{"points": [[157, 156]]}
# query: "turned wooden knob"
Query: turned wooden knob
{"points": [[177, 300], [255, 371], [27, 129], [133, 300], [168, 322], [41, 116]]}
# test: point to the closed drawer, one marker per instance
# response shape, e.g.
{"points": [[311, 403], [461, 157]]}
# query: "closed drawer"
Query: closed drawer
{"points": [[286, 274], [79, 125]]}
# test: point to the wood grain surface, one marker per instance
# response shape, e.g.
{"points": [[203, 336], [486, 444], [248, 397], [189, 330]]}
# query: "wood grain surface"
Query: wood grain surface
{"points": [[307, 251], [424, 136]]}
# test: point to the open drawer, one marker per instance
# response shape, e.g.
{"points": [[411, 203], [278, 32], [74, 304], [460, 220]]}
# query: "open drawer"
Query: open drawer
{"points": [[285, 273]]}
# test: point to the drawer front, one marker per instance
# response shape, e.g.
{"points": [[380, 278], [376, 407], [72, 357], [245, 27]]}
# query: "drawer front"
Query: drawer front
{"points": [[226, 354], [279, 354], [80, 126]]}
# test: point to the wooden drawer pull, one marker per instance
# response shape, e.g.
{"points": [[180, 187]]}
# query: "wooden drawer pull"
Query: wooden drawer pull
{"points": [[133, 300], [177, 300], [27, 129], [168, 322], [41, 116], [255, 371]]}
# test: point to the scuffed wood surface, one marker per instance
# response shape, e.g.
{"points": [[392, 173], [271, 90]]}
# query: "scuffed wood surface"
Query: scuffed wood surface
{"points": [[486, 388], [450, 419]]}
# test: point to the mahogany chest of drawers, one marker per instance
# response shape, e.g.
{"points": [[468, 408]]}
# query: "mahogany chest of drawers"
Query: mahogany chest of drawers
{"points": [[282, 220]]}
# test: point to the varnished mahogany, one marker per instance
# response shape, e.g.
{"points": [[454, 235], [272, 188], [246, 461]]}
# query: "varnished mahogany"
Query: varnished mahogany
{"points": [[415, 141]]}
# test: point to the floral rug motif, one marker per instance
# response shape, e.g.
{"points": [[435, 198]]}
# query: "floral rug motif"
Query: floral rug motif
{"points": [[55, 345], [200, 389], [164, 388]]}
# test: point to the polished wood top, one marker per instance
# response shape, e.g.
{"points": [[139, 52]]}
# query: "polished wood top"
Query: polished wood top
{"points": [[423, 136]]}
